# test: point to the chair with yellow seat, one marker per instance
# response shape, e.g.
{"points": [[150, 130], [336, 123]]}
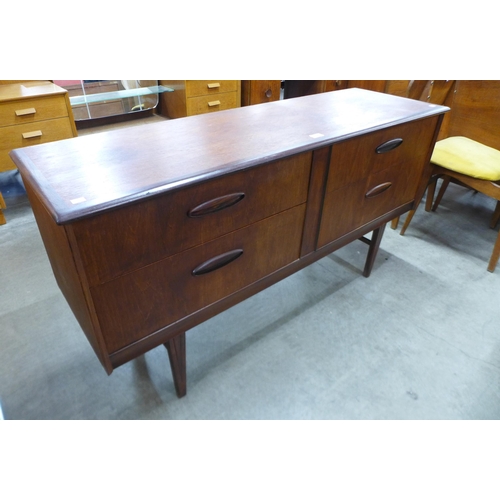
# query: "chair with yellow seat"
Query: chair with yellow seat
{"points": [[433, 92], [468, 148]]}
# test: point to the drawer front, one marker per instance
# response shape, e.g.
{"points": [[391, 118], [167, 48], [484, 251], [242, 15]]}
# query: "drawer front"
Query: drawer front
{"points": [[195, 88], [138, 304], [123, 240], [357, 158], [30, 134], [32, 110], [209, 104], [350, 207]]}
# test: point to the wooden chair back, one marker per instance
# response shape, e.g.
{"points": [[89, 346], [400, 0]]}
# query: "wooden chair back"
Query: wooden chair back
{"points": [[475, 112]]}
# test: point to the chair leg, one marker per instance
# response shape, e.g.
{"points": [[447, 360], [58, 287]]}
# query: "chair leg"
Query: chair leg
{"points": [[495, 255], [442, 189], [431, 189], [496, 216], [2, 206], [407, 221]]}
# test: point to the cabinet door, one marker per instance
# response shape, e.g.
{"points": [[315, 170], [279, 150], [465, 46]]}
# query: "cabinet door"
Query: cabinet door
{"points": [[368, 177], [259, 91]]}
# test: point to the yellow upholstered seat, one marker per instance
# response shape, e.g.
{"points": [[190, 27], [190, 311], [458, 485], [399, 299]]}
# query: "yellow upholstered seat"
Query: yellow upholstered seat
{"points": [[471, 164], [468, 157]]}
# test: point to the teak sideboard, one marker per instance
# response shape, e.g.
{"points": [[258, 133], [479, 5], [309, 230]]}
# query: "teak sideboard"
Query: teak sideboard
{"points": [[153, 229]]}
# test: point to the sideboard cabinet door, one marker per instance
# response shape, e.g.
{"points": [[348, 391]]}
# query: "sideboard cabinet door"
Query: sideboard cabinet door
{"points": [[371, 175]]}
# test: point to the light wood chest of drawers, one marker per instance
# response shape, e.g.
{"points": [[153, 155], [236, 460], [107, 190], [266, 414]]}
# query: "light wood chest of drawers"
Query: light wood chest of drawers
{"points": [[31, 113], [152, 230], [195, 97]]}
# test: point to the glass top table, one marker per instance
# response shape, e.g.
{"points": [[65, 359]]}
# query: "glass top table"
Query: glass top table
{"points": [[118, 94]]}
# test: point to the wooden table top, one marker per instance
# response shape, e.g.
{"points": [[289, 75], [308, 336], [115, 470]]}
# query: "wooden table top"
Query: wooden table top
{"points": [[82, 176]]}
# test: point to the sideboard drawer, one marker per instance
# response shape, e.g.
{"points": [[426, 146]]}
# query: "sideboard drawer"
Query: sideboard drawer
{"points": [[354, 159], [121, 241], [210, 87], [142, 302], [33, 110], [209, 103]]}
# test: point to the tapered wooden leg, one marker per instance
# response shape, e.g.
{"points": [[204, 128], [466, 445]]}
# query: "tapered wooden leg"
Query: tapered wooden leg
{"points": [[176, 348], [2, 206], [431, 189], [373, 249], [496, 216], [442, 189], [407, 221], [495, 255], [394, 223]]}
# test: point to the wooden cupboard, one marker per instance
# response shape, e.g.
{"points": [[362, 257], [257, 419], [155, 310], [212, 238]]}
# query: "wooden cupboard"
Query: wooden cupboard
{"points": [[259, 91]]}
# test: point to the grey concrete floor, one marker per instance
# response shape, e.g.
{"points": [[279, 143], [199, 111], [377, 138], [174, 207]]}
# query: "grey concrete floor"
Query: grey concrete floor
{"points": [[419, 339]]}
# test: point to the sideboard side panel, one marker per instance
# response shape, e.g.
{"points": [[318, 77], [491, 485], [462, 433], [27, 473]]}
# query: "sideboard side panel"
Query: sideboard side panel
{"points": [[62, 261]]}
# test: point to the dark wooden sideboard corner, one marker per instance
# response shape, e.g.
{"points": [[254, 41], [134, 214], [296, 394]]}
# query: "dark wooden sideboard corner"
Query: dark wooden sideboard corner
{"points": [[203, 212]]}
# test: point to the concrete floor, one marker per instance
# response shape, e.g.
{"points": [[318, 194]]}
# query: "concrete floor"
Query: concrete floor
{"points": [[419, 339]]}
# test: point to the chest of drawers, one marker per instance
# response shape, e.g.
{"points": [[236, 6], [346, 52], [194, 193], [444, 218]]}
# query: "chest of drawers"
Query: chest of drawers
{"points": [[152, 230], [196, 97], [32, 113]]}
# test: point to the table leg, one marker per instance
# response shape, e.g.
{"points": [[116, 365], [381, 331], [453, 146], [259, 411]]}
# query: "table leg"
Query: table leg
{"points": [[176, 348], [374, 244]]}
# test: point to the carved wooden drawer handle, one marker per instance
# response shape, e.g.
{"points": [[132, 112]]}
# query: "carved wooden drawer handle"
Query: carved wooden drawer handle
{"points": [[215, 205], [213, 85], [389, 145], [24, 112], [217, 262], [375, 191], [214, 103], [31, 135]]}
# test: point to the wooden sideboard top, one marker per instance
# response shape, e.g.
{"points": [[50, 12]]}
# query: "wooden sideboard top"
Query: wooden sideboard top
{"points": [[83, 176]]}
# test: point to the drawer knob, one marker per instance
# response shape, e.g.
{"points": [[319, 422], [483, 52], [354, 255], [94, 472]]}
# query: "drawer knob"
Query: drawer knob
{"points": [[24, 112], [389, 145], [375, 191], [268, 93], [213, 103], [217, 262], [213, 85], [33, 134], [215, 205]]}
